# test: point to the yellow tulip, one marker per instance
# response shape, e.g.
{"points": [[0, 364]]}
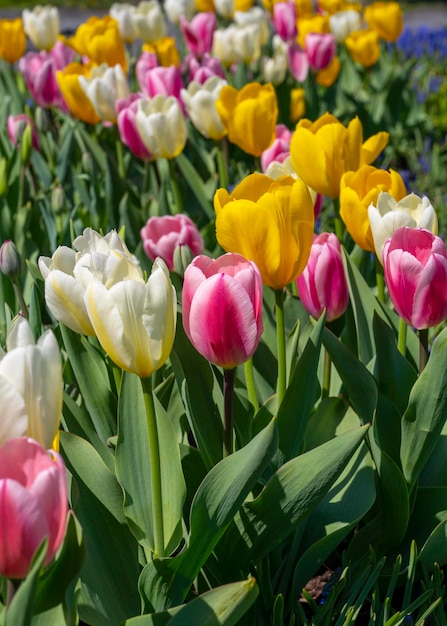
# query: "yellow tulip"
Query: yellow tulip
{"points": [[297, 104], [12, 40], [322, 151], [386, 18], [360, 189], [363, 46], [330, 6], [304, 7], [73, 94], [311, 24], [242, 5], [249, 115], [166, 51], [329, 75], [204, 6], [100, 40], [268, 222]]}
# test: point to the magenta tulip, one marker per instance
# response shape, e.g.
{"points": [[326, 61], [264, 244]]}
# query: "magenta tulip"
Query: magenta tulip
{"points": [[146, 61], [126, 109], [200, 71], [198, 33], [279, 150], [284, 20], [33, 504], [222, 308], [323, 284], [163, 80], [415, 268], [320, 50], [162, 235]]}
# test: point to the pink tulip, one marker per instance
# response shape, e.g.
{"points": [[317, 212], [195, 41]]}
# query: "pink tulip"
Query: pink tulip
{"points": [[33, 504], [126, 109], [200, 71], [161, 236], [146, 61], [198, 33], [320, 50], [279, 150], [164, 80], [415, 268], [323, 284], [14, 122], [284, 20], [222, 308], [298, 62]]}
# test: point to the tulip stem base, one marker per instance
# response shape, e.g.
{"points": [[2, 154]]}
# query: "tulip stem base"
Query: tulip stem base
{"points": [[250, 383], [423, 348], [228, 410], [402, 337], [281, 343], [154, 450]]}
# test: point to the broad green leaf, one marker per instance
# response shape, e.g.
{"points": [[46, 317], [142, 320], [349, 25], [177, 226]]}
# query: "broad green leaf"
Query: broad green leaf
{"points": [[429, 509], [165, 582], [133, 450], [197, 185], [331, 417], [435, 548], [110, 574], [426, 414]]}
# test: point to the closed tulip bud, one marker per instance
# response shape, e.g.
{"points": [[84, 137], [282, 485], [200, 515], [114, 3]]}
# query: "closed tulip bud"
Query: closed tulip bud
{"points": [[161, 125], [58, 200], [387, 214], [200, 104], [222, 308], [103, 87], [322, 151], [415, 269], [88, 163], [249, 115], [33, 504], [41, 118], [183, 256], [357, 191], [12, 40], [162, 235], [30, 385], [42, 25], [363, 46], [322, 285], [269, 222], [386, 18], [10, 261]]}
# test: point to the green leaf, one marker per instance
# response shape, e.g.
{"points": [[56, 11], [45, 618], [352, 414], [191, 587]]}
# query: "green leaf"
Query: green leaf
{"points": [[197, 185], [426, 414], [20, 611], [133, 450], [165, 582], [332, 417]]}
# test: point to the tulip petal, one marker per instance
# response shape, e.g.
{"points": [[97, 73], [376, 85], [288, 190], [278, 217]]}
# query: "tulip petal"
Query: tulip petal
{"points": [[309, 160], [14, 421]]}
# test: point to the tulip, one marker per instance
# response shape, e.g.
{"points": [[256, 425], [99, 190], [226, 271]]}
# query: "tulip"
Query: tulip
{"points": [[42, 25], [322, 285], [253, 16], [12, 40], [166, 51], [39, 72], [134, 320], [386, 215], [200, 104], [357, 191], [223, 47], [297, 104], [222, 308], [249, 115], [127, 126], [363, 46], [386, 18], [225, 8], [149, 21], [284, 20], [33, 504], [307, 24], [269, 222], [10, 260], [415, 268], [163, 80], [329, 75], [247, 42], [208, 66], [279, 150], [198, 33], [161, 125], [320, 50], [178, 9], [100, 40], [322, 151], [16, 125], [73, 94], [274, 68], [103, 87], [162, 235], [343, 23], [298, 62], [146, 61], [123, 13], [30, 385]]}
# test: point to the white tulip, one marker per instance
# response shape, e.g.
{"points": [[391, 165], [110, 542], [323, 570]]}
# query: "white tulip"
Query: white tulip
{"points": [[175, 9], [42, 25], [343, 23], [200, 104], [254, 15], [225, 8], [223, 45], [124, 13], [103, 87], [149, 21], [161, 125]]}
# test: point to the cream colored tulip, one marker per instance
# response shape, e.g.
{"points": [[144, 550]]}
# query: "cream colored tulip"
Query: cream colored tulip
{"points": [[388, 215], [255, 15], [200, 104], [223, 46], [161, 125], [344, 23], [135, 320], [175, 9], [30, 385], [123, 13], [103, 87], [149, 21], [42, 26]]}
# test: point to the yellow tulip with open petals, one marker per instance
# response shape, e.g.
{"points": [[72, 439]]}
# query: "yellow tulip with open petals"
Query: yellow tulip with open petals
{"points": [[249, 115], [268, 222], [360, 189], [363, 46], [12, 40], [386, 18], [100, 40], [322, 151]]}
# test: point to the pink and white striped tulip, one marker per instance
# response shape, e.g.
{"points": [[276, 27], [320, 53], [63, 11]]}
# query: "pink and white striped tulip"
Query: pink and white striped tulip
{"points": [[33, 504], [222, 308], [198, 33], [298, 62], [127, 126], [284, 20], [323, 284], [320, 50], [166, 81], [415, 268], [279, 150], [161, 235]]}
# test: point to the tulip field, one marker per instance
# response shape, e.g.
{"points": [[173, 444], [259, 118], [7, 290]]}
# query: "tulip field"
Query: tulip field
{"points": [[223, 305]]}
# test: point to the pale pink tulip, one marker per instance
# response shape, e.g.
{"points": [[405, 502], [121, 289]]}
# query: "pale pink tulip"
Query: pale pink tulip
{"points": [[200, 71], [146, 61], [323, 284], [126, 109], [33, 504], [284, 20], [279, 150], [320, 50], [222, 308], [198, 33], [298, 62], [16, 122], [415, 268], [162, 235], [163, 80]]}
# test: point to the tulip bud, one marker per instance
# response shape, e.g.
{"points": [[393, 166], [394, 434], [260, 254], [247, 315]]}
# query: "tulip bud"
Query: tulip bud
{"points": [[10, 261], [87, 163], [41, 118], [58, 199], [26, 147], [183, 256]]}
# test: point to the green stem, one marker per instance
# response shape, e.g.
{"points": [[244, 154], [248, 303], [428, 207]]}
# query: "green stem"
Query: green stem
{"points": [[423, 348], [327, 366], [228, 410], [19, 295], [250, 382], [281, 343], [120, 158], [154, 451], [222, 162], [380, 280], [339, 226], [402, 337], [178, 203], [21, 188]]}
